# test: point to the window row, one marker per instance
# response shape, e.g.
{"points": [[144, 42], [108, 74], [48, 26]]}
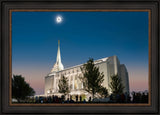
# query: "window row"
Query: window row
{"points": [[69, 71]]}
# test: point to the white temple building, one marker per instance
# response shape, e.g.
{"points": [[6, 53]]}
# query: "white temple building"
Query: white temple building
{"points": [[109, 66]]}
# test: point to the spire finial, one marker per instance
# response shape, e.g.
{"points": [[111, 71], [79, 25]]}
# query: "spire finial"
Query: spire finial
{"points": [[58, 42]]}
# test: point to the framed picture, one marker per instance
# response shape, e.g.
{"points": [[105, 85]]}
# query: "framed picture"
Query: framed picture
{"points": [[85, 57]]}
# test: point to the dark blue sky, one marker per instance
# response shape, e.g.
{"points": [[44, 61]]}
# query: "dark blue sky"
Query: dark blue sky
{"points": [[82, 35]]}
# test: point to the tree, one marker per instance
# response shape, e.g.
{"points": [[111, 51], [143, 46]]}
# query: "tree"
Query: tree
{"points": [[116, 85], [20, 88], [103, 92], [63, 85], [92, 78]]}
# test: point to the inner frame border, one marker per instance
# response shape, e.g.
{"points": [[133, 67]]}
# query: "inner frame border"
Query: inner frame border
{"points": [[80, 10]]}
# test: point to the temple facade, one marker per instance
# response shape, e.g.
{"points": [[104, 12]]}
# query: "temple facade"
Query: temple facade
{"points": [[109, 66]]}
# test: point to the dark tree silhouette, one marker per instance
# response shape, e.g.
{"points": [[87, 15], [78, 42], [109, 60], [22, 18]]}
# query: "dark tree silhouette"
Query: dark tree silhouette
{"points": [[63, 85], [103, 92], [20, 88], [92, 78], [116, 85]]}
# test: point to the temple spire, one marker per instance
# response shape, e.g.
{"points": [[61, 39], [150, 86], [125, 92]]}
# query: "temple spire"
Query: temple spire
{"points": [[58, 53], [58, 65]]}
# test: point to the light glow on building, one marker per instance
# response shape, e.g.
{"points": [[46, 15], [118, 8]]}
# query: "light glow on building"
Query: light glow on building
{"points": [[109, 66]]}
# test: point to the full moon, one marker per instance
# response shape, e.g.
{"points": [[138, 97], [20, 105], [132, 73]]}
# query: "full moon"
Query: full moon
{"points": [[58, 19]]}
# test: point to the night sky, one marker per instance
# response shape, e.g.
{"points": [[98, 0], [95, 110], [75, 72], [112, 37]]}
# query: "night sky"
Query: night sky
{"points": [[82, 35]]}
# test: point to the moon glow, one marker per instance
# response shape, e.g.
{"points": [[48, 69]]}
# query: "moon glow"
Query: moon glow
{"points": [[59, 19]]}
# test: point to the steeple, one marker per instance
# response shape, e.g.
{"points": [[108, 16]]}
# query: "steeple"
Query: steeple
{"points": [[58, 53], [58, 66]]}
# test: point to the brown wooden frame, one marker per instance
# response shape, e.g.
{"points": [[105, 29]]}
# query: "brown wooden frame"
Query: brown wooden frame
{"points": [[7, 6]]}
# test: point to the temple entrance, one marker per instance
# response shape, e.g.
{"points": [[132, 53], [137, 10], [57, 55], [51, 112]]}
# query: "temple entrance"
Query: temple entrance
{"points": [[81, 97]]}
